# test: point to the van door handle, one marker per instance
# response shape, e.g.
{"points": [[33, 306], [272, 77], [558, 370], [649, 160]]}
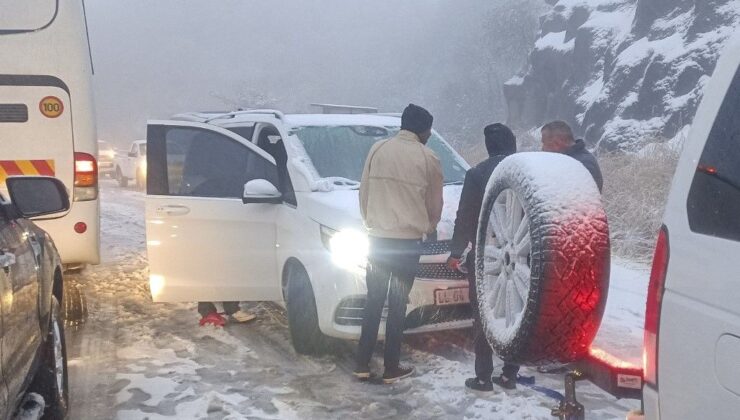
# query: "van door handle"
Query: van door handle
{"points": [[173, 210]]}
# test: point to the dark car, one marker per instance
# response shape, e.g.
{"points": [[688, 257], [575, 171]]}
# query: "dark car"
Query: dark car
{"points": [[33, 357]]}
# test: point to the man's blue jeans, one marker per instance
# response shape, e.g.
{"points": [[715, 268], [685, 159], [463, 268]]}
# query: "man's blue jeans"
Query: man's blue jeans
{"points": [[390, 275]]}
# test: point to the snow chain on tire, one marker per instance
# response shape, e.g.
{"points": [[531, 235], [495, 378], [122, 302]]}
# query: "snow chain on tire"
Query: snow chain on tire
{"points": [[74, 305], [542, 281]]}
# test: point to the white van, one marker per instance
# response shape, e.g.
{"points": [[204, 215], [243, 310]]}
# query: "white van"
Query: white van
{"points": [[47, 121], [692, 321], [261, 206]]}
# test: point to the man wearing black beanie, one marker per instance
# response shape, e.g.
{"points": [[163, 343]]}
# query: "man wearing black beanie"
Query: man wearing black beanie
{"points": [[401, 203], [500, 142], [418, 121]]}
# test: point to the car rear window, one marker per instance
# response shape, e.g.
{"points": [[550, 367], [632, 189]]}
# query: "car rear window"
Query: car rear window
{"points": [[714, 198]]}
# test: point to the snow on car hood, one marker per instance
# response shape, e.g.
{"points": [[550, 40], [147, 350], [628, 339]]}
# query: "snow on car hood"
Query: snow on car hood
{"points": [[340, 209]]}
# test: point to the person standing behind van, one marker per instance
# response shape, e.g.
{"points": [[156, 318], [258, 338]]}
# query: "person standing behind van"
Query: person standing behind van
{"points": [[401, 203], [557, 137], [210, 316]]}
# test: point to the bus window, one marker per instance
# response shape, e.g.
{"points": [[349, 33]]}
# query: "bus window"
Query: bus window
{"points": [[26, 15]]}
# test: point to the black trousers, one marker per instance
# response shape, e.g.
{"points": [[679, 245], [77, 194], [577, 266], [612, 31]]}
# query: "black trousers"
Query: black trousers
{"points": [[205, 308], [483, 350], [390, 276]]}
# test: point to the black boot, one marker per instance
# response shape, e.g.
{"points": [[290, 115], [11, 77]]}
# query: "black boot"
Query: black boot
{"points": [[504, 382], [362, 373], [394, 375], [479, 385]]}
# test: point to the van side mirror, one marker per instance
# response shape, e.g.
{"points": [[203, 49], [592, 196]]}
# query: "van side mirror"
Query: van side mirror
{"points": [[261, 191], [34, 196]]}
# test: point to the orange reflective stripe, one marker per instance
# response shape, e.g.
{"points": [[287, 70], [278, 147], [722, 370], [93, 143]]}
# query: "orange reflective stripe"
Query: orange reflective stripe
{"points": [[26, 167], [10, 167], [44, 167]]}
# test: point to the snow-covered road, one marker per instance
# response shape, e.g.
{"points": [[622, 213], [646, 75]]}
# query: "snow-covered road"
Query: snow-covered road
{"points": [[134, 359]]}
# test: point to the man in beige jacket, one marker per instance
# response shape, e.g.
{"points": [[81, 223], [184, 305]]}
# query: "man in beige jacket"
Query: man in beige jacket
{"points": [[401, 204]]}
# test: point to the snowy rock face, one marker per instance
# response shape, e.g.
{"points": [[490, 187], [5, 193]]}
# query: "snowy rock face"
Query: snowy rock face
{"points": [[623, 72]]}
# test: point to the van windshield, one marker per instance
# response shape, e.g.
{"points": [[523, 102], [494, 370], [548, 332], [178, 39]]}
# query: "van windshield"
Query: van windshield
{"points": [[340, 151], [26, 15]]}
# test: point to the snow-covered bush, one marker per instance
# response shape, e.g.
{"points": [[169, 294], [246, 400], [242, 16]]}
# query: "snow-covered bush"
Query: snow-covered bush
{"points": [[636, 188]]}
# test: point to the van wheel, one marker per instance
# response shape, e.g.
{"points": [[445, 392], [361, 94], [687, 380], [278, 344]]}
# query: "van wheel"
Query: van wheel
{"points": [[51, 380], [543, 258], [122, 180], [74, 304], [303, 318]]}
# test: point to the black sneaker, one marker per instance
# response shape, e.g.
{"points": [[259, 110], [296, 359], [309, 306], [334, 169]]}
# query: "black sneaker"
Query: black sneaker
{"points": [[395, 375], [504, 382], [479, 385], [363, 374]]}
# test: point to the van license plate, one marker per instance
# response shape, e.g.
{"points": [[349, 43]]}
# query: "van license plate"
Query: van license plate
{"points": [[456, 296]]}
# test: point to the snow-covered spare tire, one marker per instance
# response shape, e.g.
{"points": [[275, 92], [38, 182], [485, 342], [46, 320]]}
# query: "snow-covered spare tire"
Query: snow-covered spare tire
{"points": [[543, 258]]}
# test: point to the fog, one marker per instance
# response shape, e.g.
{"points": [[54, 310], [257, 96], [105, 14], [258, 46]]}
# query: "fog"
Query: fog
{"points": [[156, 58]]}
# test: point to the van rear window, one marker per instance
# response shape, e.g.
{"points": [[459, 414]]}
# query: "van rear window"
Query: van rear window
{"points": [[26, 15], [714, 198]]}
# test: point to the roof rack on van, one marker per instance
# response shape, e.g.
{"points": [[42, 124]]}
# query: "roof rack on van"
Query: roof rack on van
{"points": [[206, 117], [345, 109], [193, 116], [274, 112]]}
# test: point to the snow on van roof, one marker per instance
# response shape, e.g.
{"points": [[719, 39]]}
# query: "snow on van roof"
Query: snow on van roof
{"points": [[303, 120]]}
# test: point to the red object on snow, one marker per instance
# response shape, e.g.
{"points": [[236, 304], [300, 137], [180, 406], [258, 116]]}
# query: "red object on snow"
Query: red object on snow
{"points": [[214, 318]]}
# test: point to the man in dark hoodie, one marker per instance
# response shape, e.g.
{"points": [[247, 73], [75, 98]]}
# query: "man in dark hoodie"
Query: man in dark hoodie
{"points": [[557, 137], [500, 142]]}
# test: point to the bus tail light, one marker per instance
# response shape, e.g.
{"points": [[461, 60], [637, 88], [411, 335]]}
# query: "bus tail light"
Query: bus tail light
{"points": [[86, 177]]}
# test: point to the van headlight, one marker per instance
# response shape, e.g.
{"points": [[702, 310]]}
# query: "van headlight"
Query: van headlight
{"points": [[349, 248]]}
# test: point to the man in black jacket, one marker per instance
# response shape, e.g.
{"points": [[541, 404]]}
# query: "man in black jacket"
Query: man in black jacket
{"points": [[500, 142], [557, 137]]}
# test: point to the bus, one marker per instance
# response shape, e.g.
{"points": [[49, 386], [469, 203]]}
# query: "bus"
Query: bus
{"points": [[47, 118]]}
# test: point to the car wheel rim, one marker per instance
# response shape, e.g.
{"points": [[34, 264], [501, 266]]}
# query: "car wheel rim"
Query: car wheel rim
{"points": [[58, 356], [506, 266]]}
